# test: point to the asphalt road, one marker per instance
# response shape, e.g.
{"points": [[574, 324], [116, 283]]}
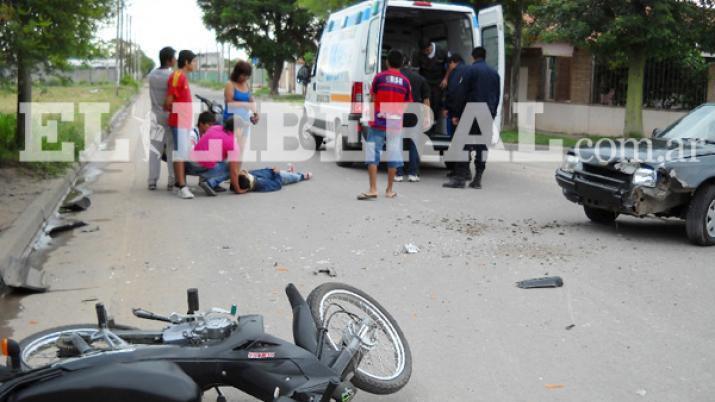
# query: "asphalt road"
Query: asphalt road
{"points": [[634, 320]]}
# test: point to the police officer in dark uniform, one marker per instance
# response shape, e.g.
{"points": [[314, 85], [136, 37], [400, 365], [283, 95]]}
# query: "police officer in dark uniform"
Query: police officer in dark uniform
{"points": [[480, 84]]}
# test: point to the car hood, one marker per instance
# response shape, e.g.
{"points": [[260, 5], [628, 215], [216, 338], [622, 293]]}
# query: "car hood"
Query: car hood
{"points": [[659, 152]]}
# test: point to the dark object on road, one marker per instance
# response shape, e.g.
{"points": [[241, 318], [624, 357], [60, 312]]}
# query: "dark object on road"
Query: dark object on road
{"points": [[670, 175], [77, 205], [326, 271], [545, 282], [61, 226], [570, 327], [200, 351]]}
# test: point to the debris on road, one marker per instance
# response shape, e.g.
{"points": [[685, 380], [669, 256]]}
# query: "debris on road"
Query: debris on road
{"points": [[545, 282], [570, 327], [641, 392], [554, 386], [326, 271], [91, 299], [78, 204], [90, 229], [411, 249], [57, 226]]}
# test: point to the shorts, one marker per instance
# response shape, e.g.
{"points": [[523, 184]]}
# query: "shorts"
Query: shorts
{"points": [[182, 143], [376, 142]]}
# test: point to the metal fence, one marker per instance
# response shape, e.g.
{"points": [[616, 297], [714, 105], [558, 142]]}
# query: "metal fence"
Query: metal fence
{"points": [[669, 85]]}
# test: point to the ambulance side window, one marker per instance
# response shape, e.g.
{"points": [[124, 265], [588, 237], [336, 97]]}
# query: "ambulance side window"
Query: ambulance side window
{"points": [[373, 39]]}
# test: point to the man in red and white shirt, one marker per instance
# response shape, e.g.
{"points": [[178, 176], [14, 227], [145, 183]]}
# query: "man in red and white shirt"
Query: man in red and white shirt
{"points": [[390, 92], [179, 104]]}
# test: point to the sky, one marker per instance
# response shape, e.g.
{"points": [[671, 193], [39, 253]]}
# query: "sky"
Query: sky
{"points": [[159, 23]]}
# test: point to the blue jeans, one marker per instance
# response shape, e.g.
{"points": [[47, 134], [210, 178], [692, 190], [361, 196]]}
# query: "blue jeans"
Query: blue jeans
{"points": [[290, 178], [376, 140], [214, 176], [414, 162]]}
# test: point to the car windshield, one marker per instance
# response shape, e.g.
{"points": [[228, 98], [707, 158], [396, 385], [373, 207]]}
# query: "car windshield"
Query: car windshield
{"points": [[699, 124]]}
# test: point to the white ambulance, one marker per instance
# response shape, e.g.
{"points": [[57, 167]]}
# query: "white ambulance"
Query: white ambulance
{"points": [[356, 39]]}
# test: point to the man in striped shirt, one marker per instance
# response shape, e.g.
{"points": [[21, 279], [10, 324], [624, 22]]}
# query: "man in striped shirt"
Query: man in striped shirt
{"points": [[390, 91]]}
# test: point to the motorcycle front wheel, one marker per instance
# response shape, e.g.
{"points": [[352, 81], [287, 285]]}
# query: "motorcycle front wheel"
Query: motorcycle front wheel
{"points": [[385, 368], [46, 348]]}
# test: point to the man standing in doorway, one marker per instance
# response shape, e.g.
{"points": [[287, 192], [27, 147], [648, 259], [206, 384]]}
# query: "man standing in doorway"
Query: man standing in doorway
{"points": [[160, 130], [432, 64], [179, 105], [480, 84], [390, 91]]}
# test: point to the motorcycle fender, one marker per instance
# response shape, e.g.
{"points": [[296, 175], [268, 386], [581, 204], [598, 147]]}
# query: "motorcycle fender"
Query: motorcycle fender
{"points": [[156, 381]]}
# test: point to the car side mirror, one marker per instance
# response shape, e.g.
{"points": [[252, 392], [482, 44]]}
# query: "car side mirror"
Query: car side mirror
{"points": [[656, 132]]}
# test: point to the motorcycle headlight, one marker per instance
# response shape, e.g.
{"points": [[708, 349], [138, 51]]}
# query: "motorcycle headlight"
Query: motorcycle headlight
{"points": [[645, 177], [571, 163]]}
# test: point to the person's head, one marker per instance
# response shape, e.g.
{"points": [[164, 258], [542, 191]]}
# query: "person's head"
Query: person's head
{"points": [[228, 125], [425, 46], [246, 181], [241, 71], [394, 59], [479, 53], [186, 60], [167, 57], [206, 120], [455, 60]]}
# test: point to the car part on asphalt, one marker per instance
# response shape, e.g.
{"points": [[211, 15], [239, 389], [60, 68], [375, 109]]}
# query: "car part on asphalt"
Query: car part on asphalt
{"points": [[545, 282]]}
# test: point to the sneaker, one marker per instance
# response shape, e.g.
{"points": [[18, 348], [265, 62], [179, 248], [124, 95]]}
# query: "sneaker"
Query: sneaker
{"points": [[185, 193], [152, 187], [207, 189], [399, 179], [413, 178], [307, 175]]}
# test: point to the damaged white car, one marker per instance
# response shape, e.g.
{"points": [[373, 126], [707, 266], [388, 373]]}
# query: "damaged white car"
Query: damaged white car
{"points": [[670, 175]]}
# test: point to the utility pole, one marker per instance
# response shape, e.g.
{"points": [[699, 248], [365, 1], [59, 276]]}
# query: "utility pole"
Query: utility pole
{"points": [[117, 54]]}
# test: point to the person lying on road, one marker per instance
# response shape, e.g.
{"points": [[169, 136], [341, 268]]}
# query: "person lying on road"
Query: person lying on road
{"points": [[267, 180]]}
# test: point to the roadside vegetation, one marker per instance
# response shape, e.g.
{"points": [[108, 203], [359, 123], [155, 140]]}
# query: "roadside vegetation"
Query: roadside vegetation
{"points": [[68, 131]]}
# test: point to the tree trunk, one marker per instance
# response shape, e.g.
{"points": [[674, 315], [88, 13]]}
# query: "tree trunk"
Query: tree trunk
{"points": [[634, 98], [24, 94], [515, 67], [276, 77]]}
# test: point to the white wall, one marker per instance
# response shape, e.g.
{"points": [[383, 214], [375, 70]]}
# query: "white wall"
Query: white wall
{"points": [[598, 120]]}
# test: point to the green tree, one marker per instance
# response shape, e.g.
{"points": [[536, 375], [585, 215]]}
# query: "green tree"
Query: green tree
{"points": [[274, 31], [323, 8], [629, 32], [45, 33]]}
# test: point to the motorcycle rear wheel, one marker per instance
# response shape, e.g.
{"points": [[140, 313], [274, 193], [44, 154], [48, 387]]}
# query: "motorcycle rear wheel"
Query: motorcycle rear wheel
{"points": [[384, 369]]}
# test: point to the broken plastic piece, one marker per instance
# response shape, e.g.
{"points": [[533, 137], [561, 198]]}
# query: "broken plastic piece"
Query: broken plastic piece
{"points": [[61, 226], [326, 271], [411, 249], [77, 205], [545, 282]]}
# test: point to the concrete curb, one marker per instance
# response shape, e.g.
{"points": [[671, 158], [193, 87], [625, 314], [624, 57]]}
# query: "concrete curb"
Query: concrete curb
{"points": [[16, 242]]}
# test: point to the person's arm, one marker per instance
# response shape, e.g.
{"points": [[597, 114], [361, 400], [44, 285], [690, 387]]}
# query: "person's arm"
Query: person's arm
{"points": [[445, 80]]}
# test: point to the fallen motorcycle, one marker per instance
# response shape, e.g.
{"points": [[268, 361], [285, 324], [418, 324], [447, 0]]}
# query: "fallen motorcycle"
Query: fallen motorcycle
{"points": [[343, 341]]}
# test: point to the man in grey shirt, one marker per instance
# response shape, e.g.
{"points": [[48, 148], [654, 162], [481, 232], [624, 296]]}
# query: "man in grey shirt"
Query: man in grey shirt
{"points": [[161, 142]]}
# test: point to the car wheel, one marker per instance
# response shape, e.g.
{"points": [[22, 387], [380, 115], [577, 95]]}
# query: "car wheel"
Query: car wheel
{"points": [[600, 216], [307, 139], [700, 221]]}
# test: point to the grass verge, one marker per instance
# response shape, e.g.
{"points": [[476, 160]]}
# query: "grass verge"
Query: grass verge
{"points": [[67, 131]]}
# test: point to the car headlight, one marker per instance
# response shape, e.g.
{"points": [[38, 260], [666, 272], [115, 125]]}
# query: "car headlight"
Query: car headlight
{"points": [[645, 177], [571, 163]]}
